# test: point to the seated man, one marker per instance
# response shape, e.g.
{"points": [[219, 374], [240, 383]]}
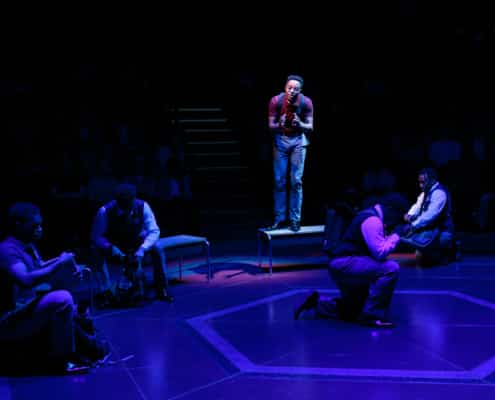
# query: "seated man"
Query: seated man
{"points": [[359, 267], [30, 322], [124, 230], [430, 228]]}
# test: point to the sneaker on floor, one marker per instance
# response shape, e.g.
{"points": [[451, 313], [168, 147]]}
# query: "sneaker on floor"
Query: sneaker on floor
{"points": [[75, 369], [104, 358], [372, 321], [72, 367]]}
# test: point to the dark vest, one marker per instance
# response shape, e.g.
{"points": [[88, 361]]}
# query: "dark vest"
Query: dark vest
{"points": [[444, 220], [125, 229], [352, 243]]}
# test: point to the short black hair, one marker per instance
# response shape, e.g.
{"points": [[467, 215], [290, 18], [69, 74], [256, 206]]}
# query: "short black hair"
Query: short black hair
{"points": [[393, 210], [125, 191], [430, 173], [295, 78], [21, 212]]}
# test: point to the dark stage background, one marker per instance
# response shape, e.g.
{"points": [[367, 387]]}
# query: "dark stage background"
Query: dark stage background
{"points": [[178, 103]]}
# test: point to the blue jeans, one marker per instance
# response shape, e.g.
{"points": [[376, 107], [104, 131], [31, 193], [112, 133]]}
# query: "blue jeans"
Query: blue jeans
{"points": [[287, 148]]}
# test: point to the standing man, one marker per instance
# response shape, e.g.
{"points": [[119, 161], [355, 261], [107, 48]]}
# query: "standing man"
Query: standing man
{"points": [[290, 119]]}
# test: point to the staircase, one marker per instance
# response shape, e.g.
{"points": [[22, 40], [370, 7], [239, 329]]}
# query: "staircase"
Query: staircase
{"points": [[221, 185]]}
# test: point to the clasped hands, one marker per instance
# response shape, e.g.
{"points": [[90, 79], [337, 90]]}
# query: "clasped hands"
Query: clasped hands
{"points": [[295, 122], [117, 253], [404, 230]]}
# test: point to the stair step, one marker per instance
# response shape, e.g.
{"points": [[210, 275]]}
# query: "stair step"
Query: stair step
{"points": [[202, 120], [221, 202], [187, 117], [207, 130], [223, 168], [209, 181], [221, 181], [209, 124], [211, 135], [219, 185], [213, 159], [225, 146], [215, 154], [199, 109], [224, 212], [216, 142], [237, 172]]}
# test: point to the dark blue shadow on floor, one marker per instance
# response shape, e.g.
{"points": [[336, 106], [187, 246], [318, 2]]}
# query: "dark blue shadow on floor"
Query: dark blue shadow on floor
{"points": [[235, 337]]}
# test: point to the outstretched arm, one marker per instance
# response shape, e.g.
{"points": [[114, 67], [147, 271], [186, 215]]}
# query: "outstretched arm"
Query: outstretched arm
{"points": [[21, 275]]}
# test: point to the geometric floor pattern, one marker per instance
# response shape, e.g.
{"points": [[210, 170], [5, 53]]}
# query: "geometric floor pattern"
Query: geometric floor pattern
{"points": [[235, 338], [417, 350]]}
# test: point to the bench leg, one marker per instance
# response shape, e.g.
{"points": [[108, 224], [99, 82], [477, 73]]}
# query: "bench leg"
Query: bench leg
{"points": [[89, 273], [180, 267], [162, 264], [139, 277], [260, 244], [270, 252], [207, 247]]}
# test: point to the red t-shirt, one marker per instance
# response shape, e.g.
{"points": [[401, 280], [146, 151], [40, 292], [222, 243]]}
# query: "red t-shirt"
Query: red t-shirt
{"points": [[305, 112]]}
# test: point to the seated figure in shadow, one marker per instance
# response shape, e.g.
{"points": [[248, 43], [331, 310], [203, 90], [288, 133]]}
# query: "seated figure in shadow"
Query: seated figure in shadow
{"points": [[123, 231], [429, 228], [37, 323]]}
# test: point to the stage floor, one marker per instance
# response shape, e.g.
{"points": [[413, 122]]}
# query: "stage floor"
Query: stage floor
{"points": [[235, 338]]}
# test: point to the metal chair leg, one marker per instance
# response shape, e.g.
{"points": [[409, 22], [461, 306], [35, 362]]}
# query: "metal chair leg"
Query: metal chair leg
{"points": [[207, 245], [260, 243], [162, 260], [89, 272], [180, 267], [270, 247]]}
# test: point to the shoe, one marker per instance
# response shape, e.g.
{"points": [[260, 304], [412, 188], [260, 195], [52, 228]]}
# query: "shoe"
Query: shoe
{"points": [[75, 369], [67, 367], [163, 295], [105, 299], [276, 225], [308, 304], [295, 226], [105, 355], [375, 322]]}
